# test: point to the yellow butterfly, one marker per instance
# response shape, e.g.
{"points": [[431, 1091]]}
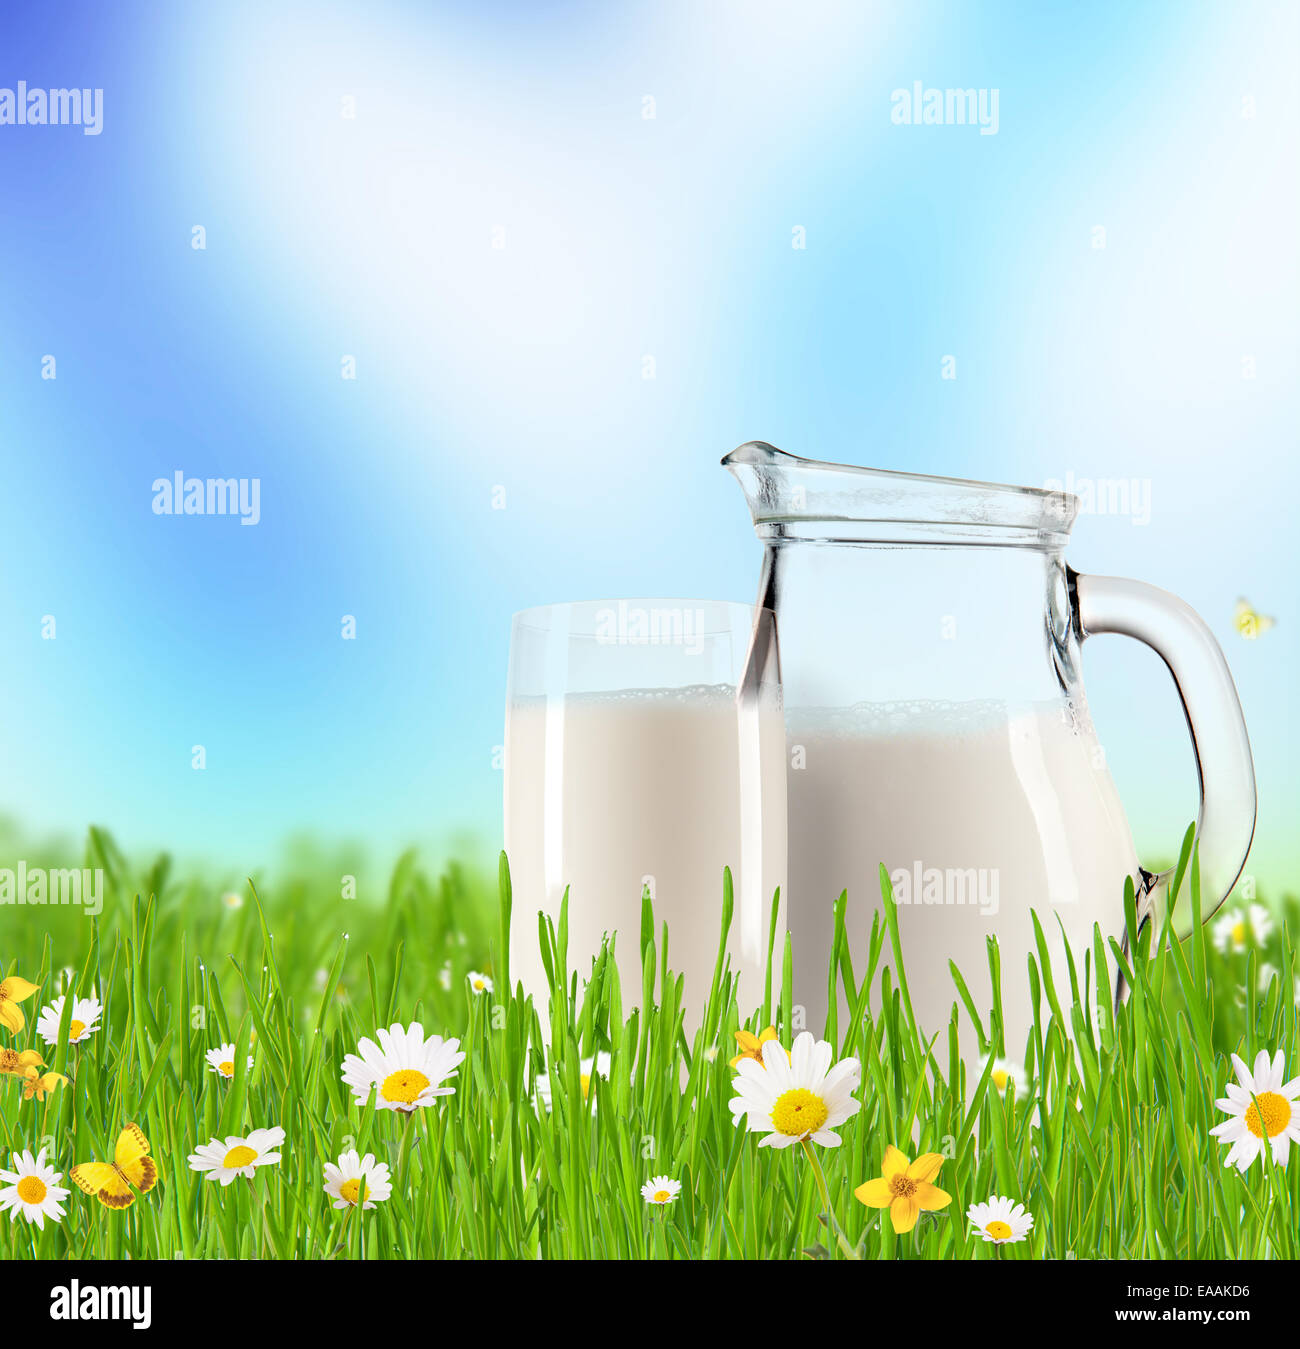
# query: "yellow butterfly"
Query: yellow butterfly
{"points": [[1249, 623], [107, 1181]]}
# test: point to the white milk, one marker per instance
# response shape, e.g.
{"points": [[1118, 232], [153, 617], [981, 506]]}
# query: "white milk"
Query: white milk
{"points": [[608, 792], [980, 814]]}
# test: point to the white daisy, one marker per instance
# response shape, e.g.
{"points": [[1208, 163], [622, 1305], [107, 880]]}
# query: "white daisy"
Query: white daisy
{"points": [[222, 1060], [480, 983], [444, 977], [232, 899], [1238, 926], [661, 1190], [802, 1097], [405, 1067], [32, 1189], [345, 1180], [236, 1156], [587, 1069], [1000, 1221], [1277, 1118], [1005, 1071], [85, 1020]]}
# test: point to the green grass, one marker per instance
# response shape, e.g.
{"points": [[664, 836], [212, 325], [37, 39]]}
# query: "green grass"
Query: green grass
{"points": [[1130, 1172]]}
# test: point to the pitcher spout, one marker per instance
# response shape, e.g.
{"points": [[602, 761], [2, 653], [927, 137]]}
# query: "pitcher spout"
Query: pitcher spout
{"points": [[792, 497]]}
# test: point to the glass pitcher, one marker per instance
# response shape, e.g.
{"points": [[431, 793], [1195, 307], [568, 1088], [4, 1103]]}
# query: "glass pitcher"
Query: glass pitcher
{"points": [[928, 634]]}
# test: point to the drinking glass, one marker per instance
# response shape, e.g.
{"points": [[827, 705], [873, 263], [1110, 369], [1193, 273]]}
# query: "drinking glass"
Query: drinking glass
{"points": [[639, 753]]}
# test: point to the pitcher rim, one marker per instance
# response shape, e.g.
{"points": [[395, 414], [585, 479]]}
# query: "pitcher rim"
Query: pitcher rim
{"points": [[1045, 512]]}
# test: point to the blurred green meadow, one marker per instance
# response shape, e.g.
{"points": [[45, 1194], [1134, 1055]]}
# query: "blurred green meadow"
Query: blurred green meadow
{"points": [[1105, 1140]]}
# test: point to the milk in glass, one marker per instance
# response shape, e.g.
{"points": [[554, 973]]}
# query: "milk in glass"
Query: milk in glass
{"points": [[609, 792]]}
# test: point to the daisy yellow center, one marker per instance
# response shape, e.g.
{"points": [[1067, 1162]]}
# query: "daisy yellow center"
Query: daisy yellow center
{"points": [[75, 1028], [1239, 932], [405, 1085], [242, 1155], [662, 1196], [1000, 1078], [478, 983], [31, 1189], [798, 1112], [1275, 1111], [998, 1230], [350, 1190], [226, 1068]]}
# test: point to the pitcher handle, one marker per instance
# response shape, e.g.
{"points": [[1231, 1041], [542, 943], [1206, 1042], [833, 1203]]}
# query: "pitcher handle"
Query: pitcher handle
{"points": [[1176, 633]]}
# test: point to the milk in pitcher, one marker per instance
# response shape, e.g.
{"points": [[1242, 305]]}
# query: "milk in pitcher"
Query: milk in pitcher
{"points": [[979, 812]]}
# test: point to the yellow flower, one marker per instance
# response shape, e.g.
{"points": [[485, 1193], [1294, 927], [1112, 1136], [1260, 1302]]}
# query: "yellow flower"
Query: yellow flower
{"points": [[751, 1045], [37, 1084], [13, 991], [16, 1063], [904, 1188]]}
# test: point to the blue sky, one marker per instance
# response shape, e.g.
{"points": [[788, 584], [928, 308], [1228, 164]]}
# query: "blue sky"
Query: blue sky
{"points": [[499, 236]]}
